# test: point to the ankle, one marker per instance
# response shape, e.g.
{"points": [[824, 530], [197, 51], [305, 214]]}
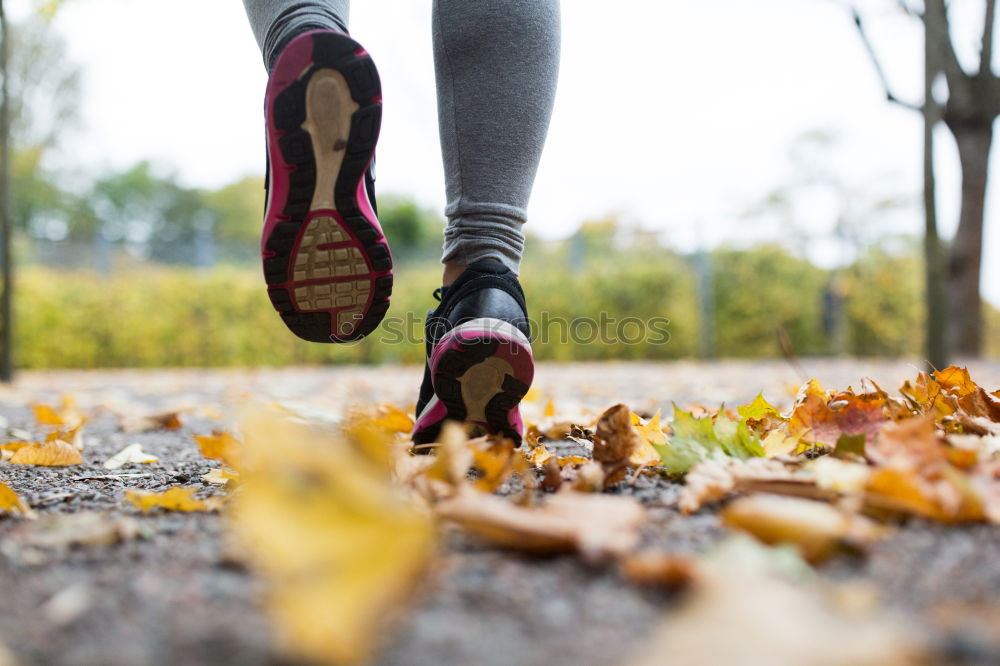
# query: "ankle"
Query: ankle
{"points": [[452, 271]]}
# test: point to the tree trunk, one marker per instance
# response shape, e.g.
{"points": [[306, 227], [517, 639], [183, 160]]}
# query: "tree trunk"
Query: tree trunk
{"points": [[6, 295], [965, 259], [936, 344]]}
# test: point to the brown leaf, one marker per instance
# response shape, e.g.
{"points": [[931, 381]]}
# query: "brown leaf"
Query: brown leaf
{"points": [[56, 453], [674, 572], [133, 423], [818, 419], [614, 437], [596, 525]]}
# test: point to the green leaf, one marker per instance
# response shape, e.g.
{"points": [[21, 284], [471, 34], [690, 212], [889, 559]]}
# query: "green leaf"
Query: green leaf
{"points": [[850, 444], [695, 440]]}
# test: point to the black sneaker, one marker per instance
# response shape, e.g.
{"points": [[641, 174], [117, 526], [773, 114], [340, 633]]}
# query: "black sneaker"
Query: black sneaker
{"points": [[479, 362]]}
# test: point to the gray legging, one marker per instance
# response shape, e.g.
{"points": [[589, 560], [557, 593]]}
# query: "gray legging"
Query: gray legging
{"points": [[496, 64]]}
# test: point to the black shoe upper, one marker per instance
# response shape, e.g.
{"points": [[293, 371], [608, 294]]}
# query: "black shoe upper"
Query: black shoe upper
{"points": [[486, 288]]}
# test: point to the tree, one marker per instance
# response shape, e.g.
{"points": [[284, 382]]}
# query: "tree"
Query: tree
{"points": [[972, 104], [39, 104], [6, 334]]}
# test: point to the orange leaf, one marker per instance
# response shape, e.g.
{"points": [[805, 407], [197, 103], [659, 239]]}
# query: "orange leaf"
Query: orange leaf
{"points": [[221, 445]]}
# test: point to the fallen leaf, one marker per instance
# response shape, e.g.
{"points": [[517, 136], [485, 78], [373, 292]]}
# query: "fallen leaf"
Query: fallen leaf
{"points": [[131, 454], [55, 453], [697, 439], [173, 499], [596, 525], [222, 446], [823, 420], [674, 572], [133, 423], [82, 529], [220, 477], [12, 503], [614, 437], [539, 456], [956, 381], [338, 546], [739, 615], [816, 528]]}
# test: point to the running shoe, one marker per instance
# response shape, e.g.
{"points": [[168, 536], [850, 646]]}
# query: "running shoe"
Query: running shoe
{"points": [[326, 261], [479, 363]]}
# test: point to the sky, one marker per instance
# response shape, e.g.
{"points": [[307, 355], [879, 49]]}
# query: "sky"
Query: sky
{"points": [[679, 115]]}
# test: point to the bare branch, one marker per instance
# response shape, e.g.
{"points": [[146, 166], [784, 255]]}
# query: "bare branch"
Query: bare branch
{"points": [[986, 54], [889, 95], [937, 28]]}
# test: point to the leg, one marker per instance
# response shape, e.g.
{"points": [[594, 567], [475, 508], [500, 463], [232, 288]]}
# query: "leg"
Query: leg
{"points": [[326, 261], [276, 22], [496, 66]]}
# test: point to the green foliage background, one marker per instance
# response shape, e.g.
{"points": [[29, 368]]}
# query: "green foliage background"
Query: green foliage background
{"points": [[160, 316]]}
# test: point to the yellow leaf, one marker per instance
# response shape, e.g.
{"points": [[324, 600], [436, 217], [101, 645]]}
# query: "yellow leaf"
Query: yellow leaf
{"points": [[650, 433], [220, 477], [221, 446], [45, 415], [56, 453], [174, 499], [550, 409], [10, 501], [395, 420], [539, 455], [337, 545], [131, 454], [65, 415], [777, 443], [72, 436]]}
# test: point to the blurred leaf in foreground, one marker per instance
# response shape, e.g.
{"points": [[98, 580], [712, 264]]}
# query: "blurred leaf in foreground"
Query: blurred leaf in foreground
{"points": [[339, 547]]}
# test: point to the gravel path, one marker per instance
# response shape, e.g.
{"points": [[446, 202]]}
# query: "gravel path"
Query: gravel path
{"points": [[173, 595]]}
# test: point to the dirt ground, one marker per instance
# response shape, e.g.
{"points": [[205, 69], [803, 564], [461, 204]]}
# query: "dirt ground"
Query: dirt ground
{"points": [[174, 595]]}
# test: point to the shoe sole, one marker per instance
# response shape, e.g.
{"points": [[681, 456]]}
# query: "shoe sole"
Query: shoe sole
{"points": [[326, 261], [481, 370]]}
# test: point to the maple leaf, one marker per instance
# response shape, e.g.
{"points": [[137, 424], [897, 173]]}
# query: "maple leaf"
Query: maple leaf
{"points": [[222, 446], [693, 440], [338, 546], [55, 453], [956, 381], [174, 499], [821, 419], [650, 434], [11, 502]]}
